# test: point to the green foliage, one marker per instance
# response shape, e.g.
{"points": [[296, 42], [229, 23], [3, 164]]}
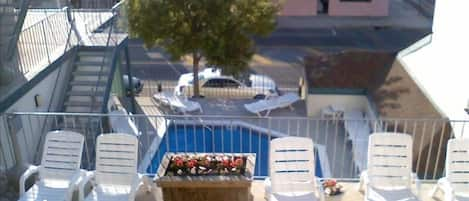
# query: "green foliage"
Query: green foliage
{"points": [[220, 31]]}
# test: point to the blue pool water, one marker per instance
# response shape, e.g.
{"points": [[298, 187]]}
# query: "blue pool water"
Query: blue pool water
{"points": [[218, 139]]}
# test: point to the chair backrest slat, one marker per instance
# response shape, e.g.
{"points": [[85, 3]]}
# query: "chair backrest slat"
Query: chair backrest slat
{"points": [[116, 159], [61, 157], [390, 159], [457, 165], [292, 164]]}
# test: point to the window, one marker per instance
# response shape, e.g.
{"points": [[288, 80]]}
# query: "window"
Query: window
{"points": [[230, 84], [214, 83]]}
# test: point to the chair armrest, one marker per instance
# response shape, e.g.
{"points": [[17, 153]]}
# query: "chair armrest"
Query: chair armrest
{"points": [[319, 189], [364, 180], [30, 171], [139, 181], [444, 184], [86, 178], [74, 183]]}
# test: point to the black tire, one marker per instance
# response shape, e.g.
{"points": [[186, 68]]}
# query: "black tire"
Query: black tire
{"points": [[259, 96]]}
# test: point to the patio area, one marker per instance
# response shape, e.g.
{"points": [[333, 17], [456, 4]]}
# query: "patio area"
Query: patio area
{"points": [[351, 193]]}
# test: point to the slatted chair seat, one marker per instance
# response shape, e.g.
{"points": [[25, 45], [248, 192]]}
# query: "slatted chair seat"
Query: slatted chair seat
{"points": [[292, 171], [455, 185], [115, 177], [389, 170], [59, 169]]}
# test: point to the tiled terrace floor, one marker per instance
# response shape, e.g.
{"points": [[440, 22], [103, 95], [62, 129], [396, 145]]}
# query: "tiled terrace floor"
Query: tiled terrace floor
{"points": [[257, 189]]}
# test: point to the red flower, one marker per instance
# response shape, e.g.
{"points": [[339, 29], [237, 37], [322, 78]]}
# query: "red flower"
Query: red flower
{"points": [[179, 163], [192, 163], [238, 162], [226, 163]]}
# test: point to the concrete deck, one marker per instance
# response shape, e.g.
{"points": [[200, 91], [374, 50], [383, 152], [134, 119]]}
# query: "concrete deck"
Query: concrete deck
{"points": [[350, 189]]}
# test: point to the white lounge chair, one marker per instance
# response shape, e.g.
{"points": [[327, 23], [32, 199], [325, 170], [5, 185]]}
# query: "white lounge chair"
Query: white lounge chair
{"points": [[292, 171], [455, 185], [122, 123], [358, 131], [115, 177], [176, 103], [272, 103], [389, 175], [59, 170]]}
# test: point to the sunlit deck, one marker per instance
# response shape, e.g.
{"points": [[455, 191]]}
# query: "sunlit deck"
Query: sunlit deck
{"points": [[257, 190]]}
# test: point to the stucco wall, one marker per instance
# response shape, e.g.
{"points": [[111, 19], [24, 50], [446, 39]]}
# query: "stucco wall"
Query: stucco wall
{"points": [[316, 102], [373, 8], [299, 8], [398, 96], [28, 128]]}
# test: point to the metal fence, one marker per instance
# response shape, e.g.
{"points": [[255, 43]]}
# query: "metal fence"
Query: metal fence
{"points": [[341, 144], [43, 42]]}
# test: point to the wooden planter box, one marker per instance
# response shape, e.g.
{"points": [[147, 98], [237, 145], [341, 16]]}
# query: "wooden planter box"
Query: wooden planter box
{"points": [[206, 188]]}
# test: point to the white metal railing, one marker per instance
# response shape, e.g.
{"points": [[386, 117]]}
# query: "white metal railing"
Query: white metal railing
{"points": [[340, 152], [43, 42]]}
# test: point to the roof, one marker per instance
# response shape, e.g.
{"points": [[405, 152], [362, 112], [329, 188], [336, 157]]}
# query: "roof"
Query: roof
{"points": [[441, 68]]}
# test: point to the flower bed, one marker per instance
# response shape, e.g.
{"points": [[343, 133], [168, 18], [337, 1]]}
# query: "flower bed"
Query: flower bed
{"points": [[206, 164]]}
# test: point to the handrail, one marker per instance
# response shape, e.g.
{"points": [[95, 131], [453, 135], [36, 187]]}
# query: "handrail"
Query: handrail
{"points": [[93, 101]]}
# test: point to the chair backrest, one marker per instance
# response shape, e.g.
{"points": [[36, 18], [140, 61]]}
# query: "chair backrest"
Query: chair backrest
{"points": [[457, 165], [61, 157], [292, 164], [116, 159], [390, 160]]}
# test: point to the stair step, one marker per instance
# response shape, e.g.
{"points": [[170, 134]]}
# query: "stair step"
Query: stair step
{"points": [[94, 59], [104, 74], [90, 63], [94, 69], [82, 103], [100, 54], [82, 109], [82, 98], [87, 88], [85, 93], [87, 83]]}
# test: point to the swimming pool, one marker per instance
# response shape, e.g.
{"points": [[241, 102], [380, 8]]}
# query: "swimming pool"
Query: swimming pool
{"points": [[218, 139]]}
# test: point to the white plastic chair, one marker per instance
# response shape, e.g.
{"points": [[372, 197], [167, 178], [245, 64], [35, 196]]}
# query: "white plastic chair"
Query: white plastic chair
{"points": [[292, 171], [389, 175], [115, 177], [455, 185], [59, 170], [272, 103], [122, 123]]}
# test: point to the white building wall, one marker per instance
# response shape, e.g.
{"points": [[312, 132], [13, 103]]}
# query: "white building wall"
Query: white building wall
{"points": [[316, 102], [27, 129]]}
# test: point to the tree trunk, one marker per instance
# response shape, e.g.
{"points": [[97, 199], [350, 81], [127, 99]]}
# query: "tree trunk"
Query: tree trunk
{"points": [[195, 66]]}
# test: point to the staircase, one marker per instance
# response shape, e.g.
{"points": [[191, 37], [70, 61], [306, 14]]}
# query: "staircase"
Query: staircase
{"points": [[87, 86]]}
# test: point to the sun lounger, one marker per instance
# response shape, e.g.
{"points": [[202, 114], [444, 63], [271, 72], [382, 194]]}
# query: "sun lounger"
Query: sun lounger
{"points": [[177, 103], [292, 171], [389, 171], [115, 177], [272, 103], [122, 123], [358, 131], [59, 170], [455, 185]]}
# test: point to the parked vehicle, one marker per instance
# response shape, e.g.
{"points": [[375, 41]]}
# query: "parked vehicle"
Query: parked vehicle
{"points": [[137, 83], [213, 84]]}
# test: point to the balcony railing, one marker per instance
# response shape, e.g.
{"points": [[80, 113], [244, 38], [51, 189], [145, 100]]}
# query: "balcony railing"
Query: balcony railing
{"points": [[341, 144]]}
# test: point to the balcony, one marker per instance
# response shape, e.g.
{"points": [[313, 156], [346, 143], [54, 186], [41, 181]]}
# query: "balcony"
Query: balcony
{"points": [[338, 154]]}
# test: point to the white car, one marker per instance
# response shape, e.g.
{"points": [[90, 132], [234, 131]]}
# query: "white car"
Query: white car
{"points": [[213, 84]]}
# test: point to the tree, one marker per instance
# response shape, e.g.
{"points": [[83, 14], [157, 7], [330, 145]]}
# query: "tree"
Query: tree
{"points": [[220, 31]]}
